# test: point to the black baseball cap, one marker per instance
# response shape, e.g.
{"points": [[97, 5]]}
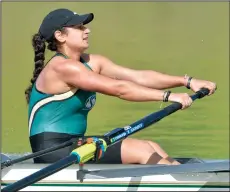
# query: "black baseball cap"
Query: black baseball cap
{"points": [[59, 18]]}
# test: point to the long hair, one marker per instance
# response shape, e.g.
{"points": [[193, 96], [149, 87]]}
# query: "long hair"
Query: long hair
{"points": [[39, 47]]}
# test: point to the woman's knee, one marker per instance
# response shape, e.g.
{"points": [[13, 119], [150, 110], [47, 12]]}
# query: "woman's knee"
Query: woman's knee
{"points": [[136, 151], [153, 144]]}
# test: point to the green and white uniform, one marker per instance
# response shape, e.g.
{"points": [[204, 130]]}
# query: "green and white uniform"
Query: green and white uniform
{"points": [[61, 113]]}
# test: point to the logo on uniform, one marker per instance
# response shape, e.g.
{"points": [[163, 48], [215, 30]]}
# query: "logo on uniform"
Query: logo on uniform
{"points": [[90, 102]]}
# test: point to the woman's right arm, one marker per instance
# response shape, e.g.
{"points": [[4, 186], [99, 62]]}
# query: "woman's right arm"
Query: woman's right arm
{"points": [[77, 75]]}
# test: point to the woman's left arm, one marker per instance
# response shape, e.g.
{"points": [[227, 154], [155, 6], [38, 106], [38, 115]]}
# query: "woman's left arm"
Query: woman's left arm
{"points": [[147, 78], [151, 78]]}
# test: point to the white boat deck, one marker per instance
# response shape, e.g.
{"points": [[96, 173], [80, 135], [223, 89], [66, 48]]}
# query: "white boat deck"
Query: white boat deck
{"points": [[194, 174]]}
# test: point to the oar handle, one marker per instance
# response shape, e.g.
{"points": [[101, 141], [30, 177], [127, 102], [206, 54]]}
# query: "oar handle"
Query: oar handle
{"points": [[201, 93]]}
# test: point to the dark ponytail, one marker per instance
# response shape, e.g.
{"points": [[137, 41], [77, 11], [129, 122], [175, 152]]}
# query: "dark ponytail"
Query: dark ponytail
{"points": [[39, 47]]}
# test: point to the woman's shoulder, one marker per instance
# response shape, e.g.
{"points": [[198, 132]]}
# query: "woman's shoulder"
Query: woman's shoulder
{"points": [[93, 60]]}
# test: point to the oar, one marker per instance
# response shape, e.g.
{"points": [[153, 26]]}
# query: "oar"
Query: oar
{"points": [[72, 141], [82, 154], [10, 162], [87, 151], [121, 133]]}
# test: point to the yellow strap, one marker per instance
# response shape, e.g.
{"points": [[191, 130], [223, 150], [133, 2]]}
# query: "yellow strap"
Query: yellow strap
{"points": [[87, 151]]}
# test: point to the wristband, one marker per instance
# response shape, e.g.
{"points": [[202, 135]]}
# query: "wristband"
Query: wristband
{"points": [[166, 96], [188, 82]]}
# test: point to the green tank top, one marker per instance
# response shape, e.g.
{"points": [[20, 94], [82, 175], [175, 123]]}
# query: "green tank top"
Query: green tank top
{"points": [[61, 113]]}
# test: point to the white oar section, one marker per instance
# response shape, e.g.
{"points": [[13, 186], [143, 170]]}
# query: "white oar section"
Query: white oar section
{"points": [[43, 102]]}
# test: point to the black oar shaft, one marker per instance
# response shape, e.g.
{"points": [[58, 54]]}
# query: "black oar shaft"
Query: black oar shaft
{"points": [[157, 116], [122, 133], [37, 154], [154, 117], [41, 174]]}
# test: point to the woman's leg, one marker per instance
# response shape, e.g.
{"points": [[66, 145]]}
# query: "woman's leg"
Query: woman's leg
{"points": [[162, 153], [135, 151], [142, 152]]}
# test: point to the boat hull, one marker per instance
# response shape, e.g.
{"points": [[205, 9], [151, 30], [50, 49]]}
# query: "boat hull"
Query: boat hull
{"points": [[66, 180]]}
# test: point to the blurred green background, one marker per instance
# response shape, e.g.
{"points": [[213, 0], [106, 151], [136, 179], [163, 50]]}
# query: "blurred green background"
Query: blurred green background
{"points": [[171, 37]]}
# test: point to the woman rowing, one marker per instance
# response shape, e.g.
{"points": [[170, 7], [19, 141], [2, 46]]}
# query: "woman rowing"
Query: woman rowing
{"points": [[63, 91]]}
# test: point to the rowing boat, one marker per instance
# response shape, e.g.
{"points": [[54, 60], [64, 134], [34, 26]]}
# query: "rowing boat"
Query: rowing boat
{"points": [[192, 175]]}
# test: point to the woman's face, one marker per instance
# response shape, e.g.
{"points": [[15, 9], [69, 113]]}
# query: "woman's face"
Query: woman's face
{"points": [[75, 37]]}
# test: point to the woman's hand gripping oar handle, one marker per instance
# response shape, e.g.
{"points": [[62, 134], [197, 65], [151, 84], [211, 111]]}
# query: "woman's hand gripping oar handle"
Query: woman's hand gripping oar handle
{"points": [[201, 93], [198, 95]]}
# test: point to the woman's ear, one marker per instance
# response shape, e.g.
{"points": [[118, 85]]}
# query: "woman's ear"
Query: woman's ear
{"points": [[59, 36]]}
